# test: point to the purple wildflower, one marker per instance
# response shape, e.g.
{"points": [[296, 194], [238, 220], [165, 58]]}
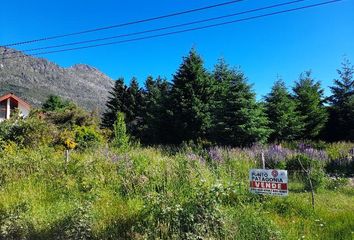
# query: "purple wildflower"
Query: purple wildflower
{"points": [[215, 155], [194, 157], [275, 154], [312, 153]]}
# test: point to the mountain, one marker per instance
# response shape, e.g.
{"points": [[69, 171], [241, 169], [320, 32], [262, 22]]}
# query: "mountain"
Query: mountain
{"points": [[34, 79]]}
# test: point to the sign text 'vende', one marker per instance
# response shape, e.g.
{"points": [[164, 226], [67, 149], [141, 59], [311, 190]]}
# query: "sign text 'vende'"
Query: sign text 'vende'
{"points": [[269, 181]]}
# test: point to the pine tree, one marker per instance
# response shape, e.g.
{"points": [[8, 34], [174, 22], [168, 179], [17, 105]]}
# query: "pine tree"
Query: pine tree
{"points": [[223, 77], [54, 103], [154, 114], [191, 99], [341, 124], [134, 105], [308, 95], [115, 103], [163, 114], [238, 120], [285, 121]]}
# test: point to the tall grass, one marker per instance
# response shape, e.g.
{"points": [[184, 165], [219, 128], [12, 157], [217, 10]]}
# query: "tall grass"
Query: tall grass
{"points": [[152, 193]]}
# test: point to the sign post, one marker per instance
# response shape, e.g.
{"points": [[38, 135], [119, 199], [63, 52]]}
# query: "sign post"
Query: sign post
{"points": [[269, 181], [263, 160]]}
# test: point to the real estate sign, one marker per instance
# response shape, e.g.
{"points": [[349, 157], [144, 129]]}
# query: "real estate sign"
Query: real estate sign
{"points": [[269, 181]]}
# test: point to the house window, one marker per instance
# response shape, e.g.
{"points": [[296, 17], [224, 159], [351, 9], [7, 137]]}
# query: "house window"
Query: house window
{"points": [[3, 109]]}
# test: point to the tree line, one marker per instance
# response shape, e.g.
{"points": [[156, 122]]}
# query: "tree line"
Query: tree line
{"points": [[220, 107]]}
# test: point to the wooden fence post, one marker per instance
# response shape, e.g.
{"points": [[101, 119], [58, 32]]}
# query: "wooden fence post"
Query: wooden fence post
{"points": [[263, 160], [67, 157]]}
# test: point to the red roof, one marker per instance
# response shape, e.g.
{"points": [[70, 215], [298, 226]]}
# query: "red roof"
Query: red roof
{"points": [[13, 96]]}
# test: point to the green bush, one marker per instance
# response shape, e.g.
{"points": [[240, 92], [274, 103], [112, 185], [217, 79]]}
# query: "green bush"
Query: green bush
{"points": [[13, 225], [28, 132], [76, 226], [318, 179], [306, 169], [121, 138], [341, 159], [55, 103], [336, 182], [70, 117], [339, 150], [198, 217], [87, 137]]}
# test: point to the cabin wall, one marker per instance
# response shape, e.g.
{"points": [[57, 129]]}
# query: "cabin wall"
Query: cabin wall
{"points": [[23, 110], [9, 103]]}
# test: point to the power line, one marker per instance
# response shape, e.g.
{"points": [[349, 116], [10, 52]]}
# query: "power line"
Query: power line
{"points": [[123, 24], [187, 30], [157, 29]]}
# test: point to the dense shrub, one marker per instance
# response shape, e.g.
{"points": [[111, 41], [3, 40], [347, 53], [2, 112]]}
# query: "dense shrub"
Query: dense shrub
{"points": [[196, 218], [55, 103], [336, 182], [341, 160], [13, 225], [76, 226], [68, 118], [87, 136], [311, 171], [30, 131], [121, 138]]}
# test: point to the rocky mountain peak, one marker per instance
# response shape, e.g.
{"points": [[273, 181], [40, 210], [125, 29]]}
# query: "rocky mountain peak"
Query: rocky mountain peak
{"points": [[34, 79], [84, 67]]}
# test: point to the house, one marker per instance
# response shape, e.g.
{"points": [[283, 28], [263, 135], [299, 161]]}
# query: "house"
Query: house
{"points": [[9, 102]]}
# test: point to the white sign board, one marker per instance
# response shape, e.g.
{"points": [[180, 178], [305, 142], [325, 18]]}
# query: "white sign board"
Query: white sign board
{"points": [[269, 181]]}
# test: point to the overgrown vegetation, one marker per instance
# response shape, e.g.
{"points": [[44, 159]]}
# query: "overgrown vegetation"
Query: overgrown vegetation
{"points": [[63, 176], [110, 188]]}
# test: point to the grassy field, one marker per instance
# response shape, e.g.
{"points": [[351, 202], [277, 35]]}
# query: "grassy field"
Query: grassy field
{"points": [[150, 193]]}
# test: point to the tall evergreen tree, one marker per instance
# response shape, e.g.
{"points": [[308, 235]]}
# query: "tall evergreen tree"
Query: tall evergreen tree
{"points": [[115, 103], [285, 121], [54, 103], [223, 77], [341, 124], [238, 119], [134, 105], [191, 99], [309, 99], [154, 114], [164, 120]]}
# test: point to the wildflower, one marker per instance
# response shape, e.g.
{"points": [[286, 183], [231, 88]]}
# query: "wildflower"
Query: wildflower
{"points": [[70, 144], [315, 154], [276, 154], [195, 157], [215, 155]]}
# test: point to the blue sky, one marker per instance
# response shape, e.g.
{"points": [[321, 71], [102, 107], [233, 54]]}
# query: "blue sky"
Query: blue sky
{"points": [[284, 45]]}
